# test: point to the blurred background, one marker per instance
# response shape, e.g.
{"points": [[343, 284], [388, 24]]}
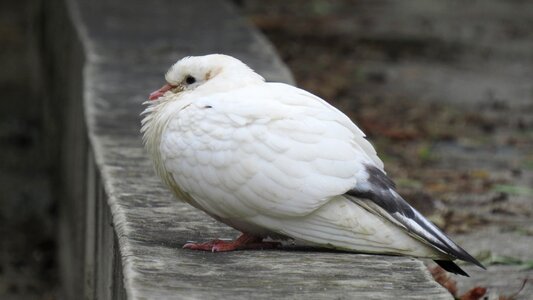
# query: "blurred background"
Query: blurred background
{"points": [[27, 208], [444, 90]]}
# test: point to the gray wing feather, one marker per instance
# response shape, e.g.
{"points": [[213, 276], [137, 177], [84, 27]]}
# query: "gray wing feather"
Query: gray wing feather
{"points": [[380, 190]]}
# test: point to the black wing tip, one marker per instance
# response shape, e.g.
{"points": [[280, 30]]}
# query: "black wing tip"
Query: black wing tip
{"points": [[451, 267], [475, 262], [383, 194], [465, 256]]}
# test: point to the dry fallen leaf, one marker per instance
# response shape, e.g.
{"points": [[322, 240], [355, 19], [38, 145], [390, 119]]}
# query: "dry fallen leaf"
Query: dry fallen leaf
{"points": [[444, 279], [374, 128], [475, 293]]}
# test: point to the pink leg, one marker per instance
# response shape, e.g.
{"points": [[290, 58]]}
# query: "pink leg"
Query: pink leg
{"points": [[244, 241]]}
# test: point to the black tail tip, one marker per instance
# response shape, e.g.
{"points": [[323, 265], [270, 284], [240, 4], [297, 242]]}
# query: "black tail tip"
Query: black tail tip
{"points": [[451, 267]]}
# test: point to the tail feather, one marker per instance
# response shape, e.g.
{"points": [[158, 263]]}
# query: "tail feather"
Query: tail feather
{"points": [[379, 192], [451, 267]]}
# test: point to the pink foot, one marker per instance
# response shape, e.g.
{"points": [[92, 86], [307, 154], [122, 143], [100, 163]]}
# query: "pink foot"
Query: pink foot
{"points": [[244, 241]]}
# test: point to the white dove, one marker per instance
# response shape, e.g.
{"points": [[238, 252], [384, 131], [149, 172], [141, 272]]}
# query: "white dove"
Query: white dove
{"points": [[272, 160]]}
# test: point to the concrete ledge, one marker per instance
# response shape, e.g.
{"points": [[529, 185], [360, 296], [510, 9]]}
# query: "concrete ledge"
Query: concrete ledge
{"points": [[121, 230]]}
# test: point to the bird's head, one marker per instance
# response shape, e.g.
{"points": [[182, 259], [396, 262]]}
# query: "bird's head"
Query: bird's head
{"points": [[192, 72]]}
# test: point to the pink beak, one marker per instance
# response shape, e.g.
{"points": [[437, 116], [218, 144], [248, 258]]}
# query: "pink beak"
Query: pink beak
{"points": [[156, 94]]}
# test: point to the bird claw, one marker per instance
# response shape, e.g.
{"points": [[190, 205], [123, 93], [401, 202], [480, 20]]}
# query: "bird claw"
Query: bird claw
{"points": [[243, 242], [213, 246]]}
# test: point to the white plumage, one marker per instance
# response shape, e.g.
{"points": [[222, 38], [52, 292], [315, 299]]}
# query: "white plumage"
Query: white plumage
{"points": [[270, 159]]}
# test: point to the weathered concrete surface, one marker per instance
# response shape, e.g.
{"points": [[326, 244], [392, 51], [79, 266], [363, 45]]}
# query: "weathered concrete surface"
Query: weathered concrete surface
{"points": [[128, 46]]}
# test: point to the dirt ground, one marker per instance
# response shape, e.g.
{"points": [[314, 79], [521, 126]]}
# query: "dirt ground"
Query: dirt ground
{"points": [[445, 93]]}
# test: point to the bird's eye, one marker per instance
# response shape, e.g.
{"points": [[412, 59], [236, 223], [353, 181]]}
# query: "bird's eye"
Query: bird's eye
{"points": [[190, 79]]}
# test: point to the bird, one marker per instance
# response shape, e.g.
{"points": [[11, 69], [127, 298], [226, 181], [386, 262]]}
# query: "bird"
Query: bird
{"points": [[276, 162]]}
